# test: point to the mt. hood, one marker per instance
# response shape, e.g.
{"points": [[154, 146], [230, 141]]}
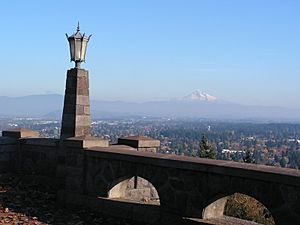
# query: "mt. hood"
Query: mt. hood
{"points": [[198, 95]]}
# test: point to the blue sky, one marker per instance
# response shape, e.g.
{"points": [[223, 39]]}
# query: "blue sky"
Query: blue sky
{"points": [[244, 51]]}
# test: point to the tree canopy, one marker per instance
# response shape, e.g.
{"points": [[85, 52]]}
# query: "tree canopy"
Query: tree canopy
{"points": [[206, 150]]}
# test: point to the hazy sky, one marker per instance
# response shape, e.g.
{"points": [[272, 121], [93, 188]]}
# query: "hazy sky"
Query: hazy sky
{"points": [[245, 51]]}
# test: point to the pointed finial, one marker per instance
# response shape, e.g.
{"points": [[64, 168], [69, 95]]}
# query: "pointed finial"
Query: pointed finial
{"points": [[78, 28]]}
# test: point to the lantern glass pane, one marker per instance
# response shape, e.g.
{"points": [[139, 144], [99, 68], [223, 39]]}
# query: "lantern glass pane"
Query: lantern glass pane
{"points": [[83, 51], [77, 50], [72, 48]]}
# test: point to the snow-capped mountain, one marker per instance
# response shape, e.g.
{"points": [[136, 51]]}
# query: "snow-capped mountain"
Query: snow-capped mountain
{"points": [[198, 95]]}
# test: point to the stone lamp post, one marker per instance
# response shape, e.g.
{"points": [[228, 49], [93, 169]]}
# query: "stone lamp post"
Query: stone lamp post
{"points": [[76, 119]]}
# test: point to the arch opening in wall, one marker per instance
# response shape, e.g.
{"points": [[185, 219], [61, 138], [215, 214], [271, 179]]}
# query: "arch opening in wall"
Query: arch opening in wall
{"points": [[238, 207], [135, 189]]}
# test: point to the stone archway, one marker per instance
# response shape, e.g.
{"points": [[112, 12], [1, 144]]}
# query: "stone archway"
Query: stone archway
{"points": [[135, 189], [239, 206]]}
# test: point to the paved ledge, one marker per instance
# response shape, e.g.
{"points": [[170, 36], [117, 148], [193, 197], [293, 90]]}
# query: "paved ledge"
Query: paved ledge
{"points": [[253, 171]]}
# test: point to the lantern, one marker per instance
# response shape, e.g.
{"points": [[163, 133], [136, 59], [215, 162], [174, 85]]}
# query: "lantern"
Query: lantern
{"points": [[78, 45]]}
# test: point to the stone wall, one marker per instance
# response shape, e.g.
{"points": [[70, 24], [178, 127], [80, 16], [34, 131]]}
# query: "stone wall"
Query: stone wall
{"points": [[8, 154], [38, 156], [186, 186]]}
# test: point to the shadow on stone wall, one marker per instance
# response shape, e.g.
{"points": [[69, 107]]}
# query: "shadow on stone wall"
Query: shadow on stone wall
{"points": [[135, 189], [31, 200]]}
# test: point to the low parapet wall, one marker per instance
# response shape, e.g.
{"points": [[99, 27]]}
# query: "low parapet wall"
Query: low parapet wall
{"points": [[40, 156], [220, 167], [186, 185]]}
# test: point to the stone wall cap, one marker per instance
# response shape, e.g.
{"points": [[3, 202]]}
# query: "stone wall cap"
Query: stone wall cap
{"points": [[137, 138], [113, 147], [20, 133], [139, 142], [86, 142], [84, 138]]}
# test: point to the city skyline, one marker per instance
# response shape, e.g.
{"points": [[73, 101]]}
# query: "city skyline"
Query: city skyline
{"points": [[245, 52]]}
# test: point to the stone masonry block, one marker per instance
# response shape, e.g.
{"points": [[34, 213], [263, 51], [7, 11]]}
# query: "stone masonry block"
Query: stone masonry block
{"points": [[82, 91], [83, 100], [82, 131], [82, 110], [20, 133], [79, 109], [82, 86], [86, 110], [86, 142], [81, 72], [82, 82], [141, 143], [83, 120]]}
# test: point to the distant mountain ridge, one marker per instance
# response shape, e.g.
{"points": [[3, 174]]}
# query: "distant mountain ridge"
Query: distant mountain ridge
{"points": [[31, 105], [198, 104]]}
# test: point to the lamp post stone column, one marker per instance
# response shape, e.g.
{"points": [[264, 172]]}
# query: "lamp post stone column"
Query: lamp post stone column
{"points": [[76, 120]]}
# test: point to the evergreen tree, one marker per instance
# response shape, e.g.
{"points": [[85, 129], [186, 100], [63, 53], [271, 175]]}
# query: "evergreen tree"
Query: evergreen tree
{"points": [[248, 158], [206, 150], [284, 161]]}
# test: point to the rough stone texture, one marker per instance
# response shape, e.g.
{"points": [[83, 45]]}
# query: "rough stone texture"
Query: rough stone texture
{"points": [[215, 209], [20, 133], [137, 189], [141, 143], [147, 214], [38, 156], [76, 120], [86, 142]]}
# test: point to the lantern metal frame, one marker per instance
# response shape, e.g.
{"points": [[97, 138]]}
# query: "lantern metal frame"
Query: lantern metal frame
{"points": [[78, 46]]}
